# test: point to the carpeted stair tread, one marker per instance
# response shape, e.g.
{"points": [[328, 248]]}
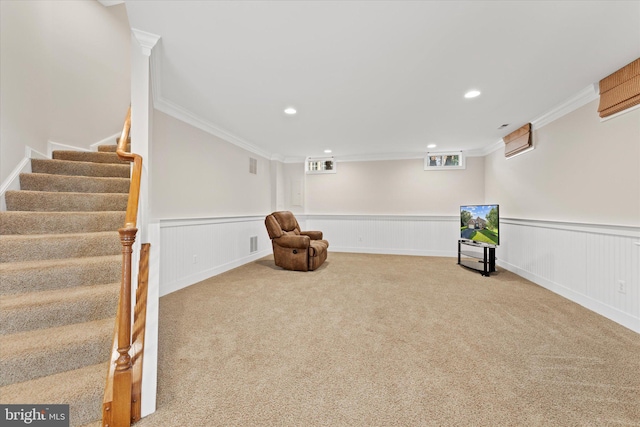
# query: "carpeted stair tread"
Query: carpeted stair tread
{"points": [[61, 265], [58, 307], [26, 355], [82, 389], [64, 202], [33, 276], [25, 223], [113, 148], [73, 168], [70, 183], [17, 248], [88, 156]]}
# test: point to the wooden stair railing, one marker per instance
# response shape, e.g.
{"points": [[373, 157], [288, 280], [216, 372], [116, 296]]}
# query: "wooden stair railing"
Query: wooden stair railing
{"points": [[121, 405]]}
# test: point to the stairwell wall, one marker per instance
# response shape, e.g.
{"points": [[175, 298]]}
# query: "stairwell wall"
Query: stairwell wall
{"points": [[65, 72]]}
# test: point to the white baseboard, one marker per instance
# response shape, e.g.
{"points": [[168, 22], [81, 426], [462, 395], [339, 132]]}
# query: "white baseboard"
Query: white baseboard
{"points": [[604, 310], [386, 251], [110, 140], [53, 146], [167, 288], [12, 182]]}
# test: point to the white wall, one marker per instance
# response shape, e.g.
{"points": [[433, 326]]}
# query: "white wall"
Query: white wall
{"points": [[198, 175], [25, 89], [581, 170], [64, 70], [570, 211], [394, 187], [90, 58], [294, 187]]}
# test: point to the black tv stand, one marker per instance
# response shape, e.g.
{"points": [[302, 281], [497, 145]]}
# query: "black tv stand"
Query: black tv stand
{"points": [[482, 258]]}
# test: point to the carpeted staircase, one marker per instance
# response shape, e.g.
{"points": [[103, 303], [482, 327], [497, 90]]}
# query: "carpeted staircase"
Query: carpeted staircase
{"points": [[60, 264]]}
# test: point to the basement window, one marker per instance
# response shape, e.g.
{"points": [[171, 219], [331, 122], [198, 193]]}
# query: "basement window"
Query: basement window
{"points": [[315, 165], [444, 161]]}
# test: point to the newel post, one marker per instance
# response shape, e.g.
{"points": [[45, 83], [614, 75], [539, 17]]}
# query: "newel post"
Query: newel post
{"points": [[123, 378]]}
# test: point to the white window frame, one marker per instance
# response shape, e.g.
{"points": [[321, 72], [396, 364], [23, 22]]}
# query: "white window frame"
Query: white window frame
{"points": [[318, 165], [439, 155]]}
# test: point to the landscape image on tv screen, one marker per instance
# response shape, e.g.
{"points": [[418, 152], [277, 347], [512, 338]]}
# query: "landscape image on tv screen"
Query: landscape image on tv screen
{"points": [[480, 223]]}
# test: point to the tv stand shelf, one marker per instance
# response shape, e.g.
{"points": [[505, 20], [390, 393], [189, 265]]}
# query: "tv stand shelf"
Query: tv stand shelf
{"points": [[477, 256]]}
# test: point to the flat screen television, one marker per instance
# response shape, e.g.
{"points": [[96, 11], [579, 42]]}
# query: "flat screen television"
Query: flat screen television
{"points": [[480, 223]]}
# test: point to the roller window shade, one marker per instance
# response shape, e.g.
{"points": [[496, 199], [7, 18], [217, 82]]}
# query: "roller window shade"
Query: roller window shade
{"points": [[620, 90], [517, 141]]}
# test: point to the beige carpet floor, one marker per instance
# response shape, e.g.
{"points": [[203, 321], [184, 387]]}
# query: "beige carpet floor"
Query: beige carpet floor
{"points": [[381, 340]]}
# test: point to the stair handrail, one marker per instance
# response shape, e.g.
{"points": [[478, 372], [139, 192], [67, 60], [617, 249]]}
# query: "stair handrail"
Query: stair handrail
{"points": [[134, 189], [121, 404]]}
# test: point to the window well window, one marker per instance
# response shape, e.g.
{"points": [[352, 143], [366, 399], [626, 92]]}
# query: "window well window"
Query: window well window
{"points": [[320, 165]]}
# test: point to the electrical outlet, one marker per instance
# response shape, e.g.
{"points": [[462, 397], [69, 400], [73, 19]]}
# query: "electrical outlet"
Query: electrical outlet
{"points": [[359, 238], [195, 259], [622, 287]]}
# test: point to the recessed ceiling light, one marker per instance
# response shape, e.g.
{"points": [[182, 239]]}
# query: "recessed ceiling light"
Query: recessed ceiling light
{"points": [[327, 151], [290, 111], [472, 94], [431, 146]]}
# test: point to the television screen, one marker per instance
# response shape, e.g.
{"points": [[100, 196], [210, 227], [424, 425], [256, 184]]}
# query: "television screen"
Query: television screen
{"points": [[480, 223]]}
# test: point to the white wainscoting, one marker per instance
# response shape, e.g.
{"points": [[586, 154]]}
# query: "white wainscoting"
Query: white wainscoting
{"points": [[581, 262], [387, 234], [192, 250]]}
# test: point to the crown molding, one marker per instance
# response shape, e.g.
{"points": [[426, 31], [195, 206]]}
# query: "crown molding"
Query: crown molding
{"points": [[147, 40], [586, 95], [381, 157], [481, 152], [180, 113], [293, 159]]}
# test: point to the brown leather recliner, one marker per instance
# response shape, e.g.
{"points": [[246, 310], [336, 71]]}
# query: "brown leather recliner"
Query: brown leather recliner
{"points": [[294, 249]]}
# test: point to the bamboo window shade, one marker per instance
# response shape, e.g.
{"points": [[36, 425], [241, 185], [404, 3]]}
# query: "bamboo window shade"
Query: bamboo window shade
{"points": [[518, 141], [620, 90]]}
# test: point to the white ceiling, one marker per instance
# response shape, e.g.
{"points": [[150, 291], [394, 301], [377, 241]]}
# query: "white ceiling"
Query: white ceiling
{"points": [[380, 78]]}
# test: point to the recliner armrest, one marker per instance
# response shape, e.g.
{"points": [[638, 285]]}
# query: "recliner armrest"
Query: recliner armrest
{"points": [[293, 241], [313, 235]]}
